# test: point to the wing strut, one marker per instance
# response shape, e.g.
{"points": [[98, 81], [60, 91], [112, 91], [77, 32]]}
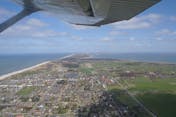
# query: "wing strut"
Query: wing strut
{"points": [[25, 12]]}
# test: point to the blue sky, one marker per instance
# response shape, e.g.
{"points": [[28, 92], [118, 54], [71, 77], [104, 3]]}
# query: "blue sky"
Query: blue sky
{"points": [[152, 31]]}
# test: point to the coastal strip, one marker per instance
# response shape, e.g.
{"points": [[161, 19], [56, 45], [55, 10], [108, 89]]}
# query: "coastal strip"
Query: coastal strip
{"points": [[23, 70], [30, 68]]}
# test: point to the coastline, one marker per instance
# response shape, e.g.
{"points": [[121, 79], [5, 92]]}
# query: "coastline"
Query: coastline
{"points": [[2, 77], [22, 70]]}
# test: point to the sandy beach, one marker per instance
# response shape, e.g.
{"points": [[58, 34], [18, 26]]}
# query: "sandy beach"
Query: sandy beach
{"points": [[23, 70], [29, 68]]}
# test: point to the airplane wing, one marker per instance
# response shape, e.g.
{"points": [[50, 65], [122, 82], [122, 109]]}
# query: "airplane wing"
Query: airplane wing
{"points": [[83, 12], [118, 10]]}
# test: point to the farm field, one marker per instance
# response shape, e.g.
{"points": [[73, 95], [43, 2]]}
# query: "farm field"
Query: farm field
{"points": [[154, 85]]}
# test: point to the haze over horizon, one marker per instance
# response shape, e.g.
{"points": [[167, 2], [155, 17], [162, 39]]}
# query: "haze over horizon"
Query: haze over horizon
{"points": [[152, 31]]}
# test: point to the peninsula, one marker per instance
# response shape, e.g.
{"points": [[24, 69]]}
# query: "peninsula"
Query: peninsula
{"points": [[82, 86]]}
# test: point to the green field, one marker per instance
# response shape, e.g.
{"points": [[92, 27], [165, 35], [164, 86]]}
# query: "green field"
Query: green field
{"points": [[135, 66], [26, 91], [145, 84], [120, 96], [159, 96], [157, 93]]}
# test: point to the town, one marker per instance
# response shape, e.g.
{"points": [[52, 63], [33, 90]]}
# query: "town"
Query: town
{"points": [[77, 86]]}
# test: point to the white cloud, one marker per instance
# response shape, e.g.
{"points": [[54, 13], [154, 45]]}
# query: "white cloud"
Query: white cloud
{"points": [[159, 38], [139, 45], [166, 32], [141, 22], [173, 18], [106, 39], [31, 28], [76, 38], [4, 13], [153, 18], [36, 22], [142, 44], [48, 33], [132, 38], [116, 33]]}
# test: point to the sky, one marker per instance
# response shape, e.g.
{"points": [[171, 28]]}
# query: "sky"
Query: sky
{"points": [[153, 31]]}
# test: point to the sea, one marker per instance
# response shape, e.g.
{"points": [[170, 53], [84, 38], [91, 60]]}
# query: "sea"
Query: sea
{"points": [[15, 62], [11, 63], [141, 57]]}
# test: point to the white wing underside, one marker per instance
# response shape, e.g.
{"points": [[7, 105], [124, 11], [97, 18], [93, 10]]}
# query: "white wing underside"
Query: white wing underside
{"points": [[83, 12], [104, 11]]}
